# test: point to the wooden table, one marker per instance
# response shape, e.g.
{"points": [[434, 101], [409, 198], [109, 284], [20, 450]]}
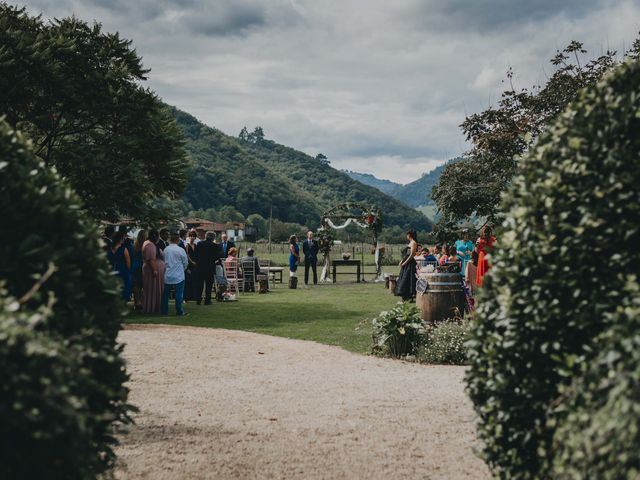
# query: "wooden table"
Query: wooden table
{"points": [[345, 263], [278, 270]]}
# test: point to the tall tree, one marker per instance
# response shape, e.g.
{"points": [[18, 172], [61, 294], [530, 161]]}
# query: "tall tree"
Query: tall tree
{"points": [[500, 135], [76, 91]]}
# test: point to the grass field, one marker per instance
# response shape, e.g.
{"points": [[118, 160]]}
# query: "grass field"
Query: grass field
{"points": [[328, 314]]}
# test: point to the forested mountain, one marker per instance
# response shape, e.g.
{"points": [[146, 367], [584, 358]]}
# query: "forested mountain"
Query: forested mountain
{"points": [[414, 194], [254, 174], [385, 186]]}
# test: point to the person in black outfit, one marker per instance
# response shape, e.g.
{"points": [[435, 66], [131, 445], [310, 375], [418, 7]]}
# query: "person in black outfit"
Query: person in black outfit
{"points": [[207, 253], [406, 284], [226, 245], [310, 249], [164, 239]]}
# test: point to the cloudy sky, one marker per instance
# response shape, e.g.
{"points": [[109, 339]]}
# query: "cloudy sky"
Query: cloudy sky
{"points": [[379, 86]]}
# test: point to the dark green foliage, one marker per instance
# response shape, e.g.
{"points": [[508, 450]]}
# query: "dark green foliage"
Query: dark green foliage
{"points": [[63, 374], [445, 343], [500, 135], [601, 434], [75, 90], [398, 332], [328, 187], [255, 176], [554, 374]]}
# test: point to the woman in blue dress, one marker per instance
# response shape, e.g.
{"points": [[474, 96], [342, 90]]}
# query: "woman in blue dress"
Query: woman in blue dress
{"points": [[294, 253], [464, 248]]}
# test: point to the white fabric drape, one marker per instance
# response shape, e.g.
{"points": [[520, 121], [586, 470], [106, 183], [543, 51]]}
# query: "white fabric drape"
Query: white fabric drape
{"points": [[326, 268], [345, 224]]}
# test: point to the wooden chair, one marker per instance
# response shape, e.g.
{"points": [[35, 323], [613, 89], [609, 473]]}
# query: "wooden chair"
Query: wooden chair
{"points": [[265, 268], [231, 274]]}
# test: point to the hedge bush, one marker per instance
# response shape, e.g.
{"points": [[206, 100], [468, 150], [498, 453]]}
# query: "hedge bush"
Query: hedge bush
{"points": [[445, 343], [62, 389], [550, 345]]}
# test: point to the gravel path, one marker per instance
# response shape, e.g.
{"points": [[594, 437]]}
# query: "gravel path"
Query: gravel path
{"points": [[229, 404]]}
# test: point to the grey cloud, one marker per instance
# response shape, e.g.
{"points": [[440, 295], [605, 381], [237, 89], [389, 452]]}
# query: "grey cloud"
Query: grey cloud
{"points": [[230, 19], [488, 15], [381, 87]]}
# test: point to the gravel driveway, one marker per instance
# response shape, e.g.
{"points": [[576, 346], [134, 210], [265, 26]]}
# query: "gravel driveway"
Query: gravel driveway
{"points": [[229, 404]]}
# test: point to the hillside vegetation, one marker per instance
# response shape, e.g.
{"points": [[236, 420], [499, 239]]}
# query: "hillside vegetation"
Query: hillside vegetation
{"points": [[254, 174], [414, 194]]}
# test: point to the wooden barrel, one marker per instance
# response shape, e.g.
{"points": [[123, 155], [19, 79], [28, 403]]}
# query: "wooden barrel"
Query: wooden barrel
{"points": [[443, 298], [393, 281]]}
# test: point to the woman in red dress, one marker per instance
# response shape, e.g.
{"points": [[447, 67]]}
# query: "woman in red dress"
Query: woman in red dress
{"points": [[485, 245]]}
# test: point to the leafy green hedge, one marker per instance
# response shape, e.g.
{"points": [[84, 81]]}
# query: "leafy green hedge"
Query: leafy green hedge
{"points": [[554, 374], [62, 387]]}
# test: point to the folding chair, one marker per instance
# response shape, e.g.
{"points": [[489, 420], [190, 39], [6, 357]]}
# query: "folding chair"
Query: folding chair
{"points": [[231, 274], [265, 268], [249, 279]]}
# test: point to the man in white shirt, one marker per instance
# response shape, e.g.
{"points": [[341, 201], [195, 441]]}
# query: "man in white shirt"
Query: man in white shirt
{"points": [[175, 263]]}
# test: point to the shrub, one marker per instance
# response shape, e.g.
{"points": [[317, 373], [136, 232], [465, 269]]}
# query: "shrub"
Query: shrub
{"points": [[62, 390], [445, 343], [547, 347], [399, 331]]}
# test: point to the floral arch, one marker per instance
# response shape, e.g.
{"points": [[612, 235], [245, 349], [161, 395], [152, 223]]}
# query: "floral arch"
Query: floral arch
{"points": [[340, 217]]}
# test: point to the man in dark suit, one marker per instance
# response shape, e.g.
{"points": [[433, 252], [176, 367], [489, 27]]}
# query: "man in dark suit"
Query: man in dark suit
{"points": [[310, 249], [226, 245], [206, 254]]}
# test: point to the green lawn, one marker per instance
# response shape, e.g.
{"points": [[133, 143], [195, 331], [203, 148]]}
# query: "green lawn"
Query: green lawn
{"points": [[327, 314]]}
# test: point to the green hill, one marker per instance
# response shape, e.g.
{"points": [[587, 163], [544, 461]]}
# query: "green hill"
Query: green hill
{"points": [[385, 186], [254, 175], [414, 194]]}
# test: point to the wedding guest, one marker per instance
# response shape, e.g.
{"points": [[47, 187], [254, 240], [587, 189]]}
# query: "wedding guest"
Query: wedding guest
{"points": [[472, 271], [152, 273], [164, 239], [310, 249], [136, 269], [176, 262], [464, 247], [183, 238], [406, 283], [294, 254], [200, 232], [250, 259], [207, 253], [486, 243], [437, 252], [190, 275], [121, 262], [444, 257], [430, 257], [226, 245]]}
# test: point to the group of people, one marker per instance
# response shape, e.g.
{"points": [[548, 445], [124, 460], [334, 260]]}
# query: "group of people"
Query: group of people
{"points": [[464, 256], [160, 264]]}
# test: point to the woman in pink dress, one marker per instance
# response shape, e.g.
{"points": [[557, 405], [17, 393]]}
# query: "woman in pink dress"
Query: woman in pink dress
{"points": [[152, 273]]}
